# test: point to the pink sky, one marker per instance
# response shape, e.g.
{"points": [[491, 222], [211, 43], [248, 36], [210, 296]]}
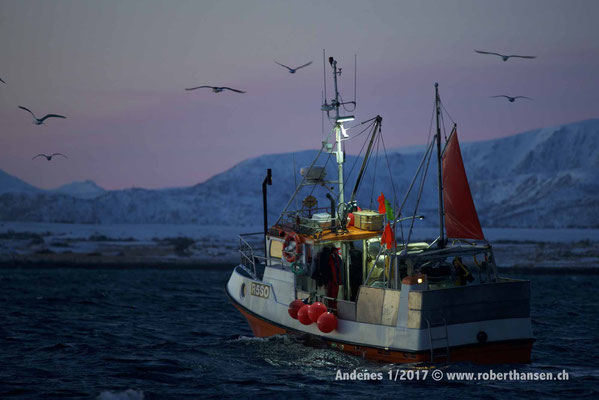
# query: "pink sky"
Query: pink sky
{"points": [[117, 70]]}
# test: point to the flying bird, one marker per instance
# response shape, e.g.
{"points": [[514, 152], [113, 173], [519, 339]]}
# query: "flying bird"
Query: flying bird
{"points": [[292, 70], [50, 156], [512, 99], [216, 89], [503, 57], [40, 121]]}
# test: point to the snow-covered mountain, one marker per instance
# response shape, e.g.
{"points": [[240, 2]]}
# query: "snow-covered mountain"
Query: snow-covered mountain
{"points": [[83, 189], [542, 178], [12, 184]]}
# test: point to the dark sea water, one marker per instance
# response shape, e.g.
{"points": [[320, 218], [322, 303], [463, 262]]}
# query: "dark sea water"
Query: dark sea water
{"points": [[172, 334]]}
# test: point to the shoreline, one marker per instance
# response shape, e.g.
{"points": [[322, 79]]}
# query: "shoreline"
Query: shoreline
{"points": [[173, 247], [86, 261], [128, 263]]}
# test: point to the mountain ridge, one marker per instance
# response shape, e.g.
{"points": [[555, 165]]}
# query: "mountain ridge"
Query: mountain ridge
{"points": [[86, 189], [540, 178]]}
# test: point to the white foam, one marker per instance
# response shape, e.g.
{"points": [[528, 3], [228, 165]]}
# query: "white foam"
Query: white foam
{"points": [[129, 394]]}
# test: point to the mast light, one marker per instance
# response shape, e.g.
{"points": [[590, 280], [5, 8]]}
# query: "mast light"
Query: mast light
{"points": [[347, 118]]}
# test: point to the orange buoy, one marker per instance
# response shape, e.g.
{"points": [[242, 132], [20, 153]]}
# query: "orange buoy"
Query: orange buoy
{"points": [[316, 310], [302, 315], [327, 322], [294, 307]]}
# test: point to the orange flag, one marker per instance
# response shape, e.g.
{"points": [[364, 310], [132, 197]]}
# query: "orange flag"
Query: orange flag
{"points": [[381, 200], [388, 237]]}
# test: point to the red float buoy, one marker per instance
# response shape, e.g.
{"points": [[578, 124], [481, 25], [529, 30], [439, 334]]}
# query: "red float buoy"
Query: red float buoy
{"points": [[302, 315], [316, 310], [327, 322], [294, 307]]}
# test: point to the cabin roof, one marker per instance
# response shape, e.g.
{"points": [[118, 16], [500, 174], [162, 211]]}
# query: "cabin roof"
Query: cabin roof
{"points": [[352, 233]]}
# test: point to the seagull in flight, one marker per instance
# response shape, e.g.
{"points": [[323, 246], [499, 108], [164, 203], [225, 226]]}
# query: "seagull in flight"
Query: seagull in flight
{"points": [[50, 156], [216, 89], [504, 57], [512, 99], [292, 70], [40, 121]]}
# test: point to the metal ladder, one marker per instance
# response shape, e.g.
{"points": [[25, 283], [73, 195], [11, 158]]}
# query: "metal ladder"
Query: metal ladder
{"points": [[442, 351]]}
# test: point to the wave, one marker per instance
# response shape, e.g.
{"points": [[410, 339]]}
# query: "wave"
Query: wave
{"points": [[129, 394]]}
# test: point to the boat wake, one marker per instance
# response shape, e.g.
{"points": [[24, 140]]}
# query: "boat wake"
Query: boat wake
{"points": [[298, 351]]}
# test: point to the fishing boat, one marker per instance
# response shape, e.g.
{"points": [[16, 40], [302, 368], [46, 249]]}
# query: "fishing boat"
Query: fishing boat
{"points": [[356, 280]]}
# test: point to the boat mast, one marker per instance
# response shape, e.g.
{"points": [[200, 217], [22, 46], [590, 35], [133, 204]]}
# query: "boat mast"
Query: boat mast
{"points": [[441, 242], [339, 130], [340, 153]]}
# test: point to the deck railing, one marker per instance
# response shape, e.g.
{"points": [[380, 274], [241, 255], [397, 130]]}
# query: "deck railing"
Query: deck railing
{"points": [[248, 258], [301, 221]]}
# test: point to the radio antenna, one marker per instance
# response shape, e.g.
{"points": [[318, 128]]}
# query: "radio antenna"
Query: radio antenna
{"points": [[322, 114], [355, 79], [324, 74]]}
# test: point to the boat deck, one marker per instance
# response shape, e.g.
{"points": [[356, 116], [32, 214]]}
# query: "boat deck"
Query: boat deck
{"points": [[352, 233]]}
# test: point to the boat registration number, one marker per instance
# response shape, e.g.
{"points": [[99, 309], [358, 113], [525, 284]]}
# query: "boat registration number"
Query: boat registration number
{"points": [[260, 290]]}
